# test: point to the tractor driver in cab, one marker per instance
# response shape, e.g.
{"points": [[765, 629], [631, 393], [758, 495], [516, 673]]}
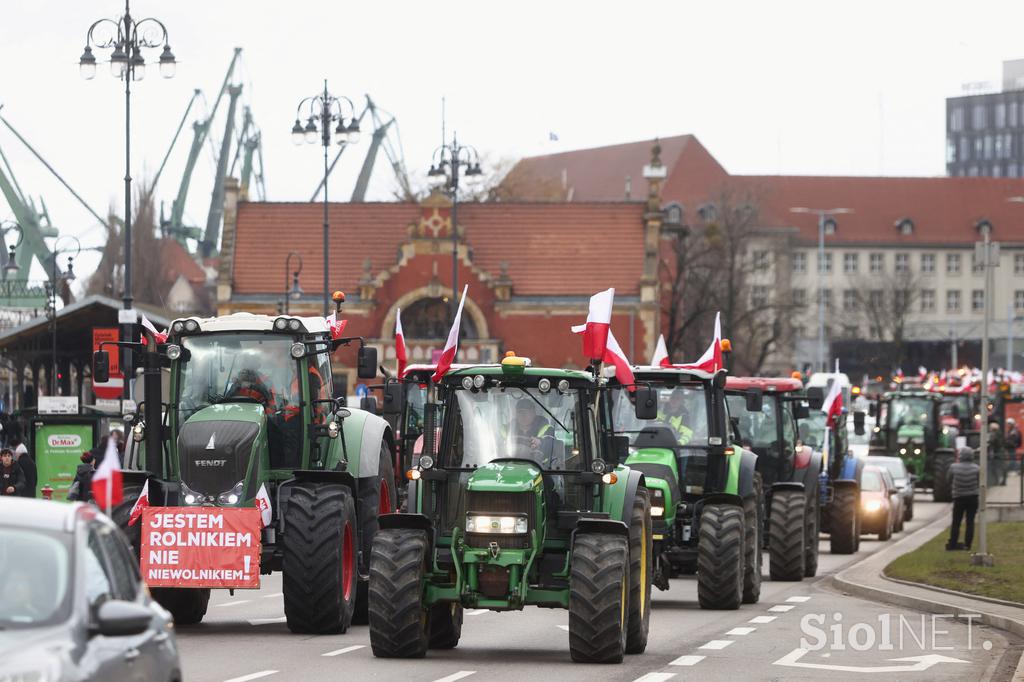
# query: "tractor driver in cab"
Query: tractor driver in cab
{"points": [[251, 383], [676, 413], [528, 429]]}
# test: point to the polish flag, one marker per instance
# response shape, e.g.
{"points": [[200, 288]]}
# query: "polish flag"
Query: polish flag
{"points": [[599, 321], [337, 327], [660, 358], [614, 355], [161, 337], [400, 344], [451, 346], [711, 361], [107, 486], [263, 504], [140, 504], [833, 404]]}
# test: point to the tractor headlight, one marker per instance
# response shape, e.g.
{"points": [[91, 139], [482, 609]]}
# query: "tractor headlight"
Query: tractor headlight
{"points": [[191, 496], [191, 326], [231, 496], [294, 325], [917, 451], [903, 451], [297, 350], [280, 324], [178, 327], [597, 466], [333, 430], [657, 502], [498, 525], [563, 386], [479, 381], [139, 432], [467, 383], [544, 385], [426, 462], [872, 505], [173, 351]]}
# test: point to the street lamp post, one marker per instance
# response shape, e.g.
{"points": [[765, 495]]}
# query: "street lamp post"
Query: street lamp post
{"points": [[324, 109], [56, 278], [987, 253], [11, 263], [127, 38], [446, 166], [295, 292], [824, 216]]}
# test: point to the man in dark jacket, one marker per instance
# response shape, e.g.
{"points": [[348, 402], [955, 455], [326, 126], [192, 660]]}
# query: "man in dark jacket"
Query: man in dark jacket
{"points": [[28, 467], [966, 476], [12, 478], [81, 487]]}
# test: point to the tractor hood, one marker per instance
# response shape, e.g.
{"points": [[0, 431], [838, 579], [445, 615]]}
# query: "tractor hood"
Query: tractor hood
{"points": [[216, 445], [506, 476]]}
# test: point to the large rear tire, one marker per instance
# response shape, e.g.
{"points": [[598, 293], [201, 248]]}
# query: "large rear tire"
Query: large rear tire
{"points": [[598, 598], [786, 535], [720, 553], [752, 507], [843, 531], [187, 606], [377, 495], [319, 558], [398, 617], [641, 564], [942, 485], [444, 623], [812, 519]]}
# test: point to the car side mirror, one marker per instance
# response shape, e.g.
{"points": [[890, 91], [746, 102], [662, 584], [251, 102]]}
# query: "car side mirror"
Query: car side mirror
{"points": [[858, 423], [394, 398], [620, 450], [100, 367], [368, 403], [801, 410], [119, 618], [755, 400], [366, 362], [646, 405]]}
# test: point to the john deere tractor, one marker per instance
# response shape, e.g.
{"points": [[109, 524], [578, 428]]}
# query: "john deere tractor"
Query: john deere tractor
{"points": [[706, 498], [251, 405], [525, 501], [909, 425], [790, 470]]}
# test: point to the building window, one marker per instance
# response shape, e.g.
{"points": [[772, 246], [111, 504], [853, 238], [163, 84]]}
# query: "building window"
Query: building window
{"points": [[849, 300], [999, 146], [988, 147], [1011, 169], [956, 119], [977, 266], [759, 296], [952, 263], [876, 263], [979, 147], [977, 300], [799, 297], [1011, 114], [1018, 263], [902, 262], [876, 298], [760, 260], [950, 150], [928, 300], [826, 296], [1018, 300], [800, 262], [953, 301], [827, 267], [927, 263], [1000, 115], [829, 226], [965, 149], [997, 171], [978, 117], [851, 261]]}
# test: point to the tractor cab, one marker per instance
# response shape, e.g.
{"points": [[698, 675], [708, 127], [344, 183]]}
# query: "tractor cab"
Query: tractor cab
{"points": [[909, 426]]}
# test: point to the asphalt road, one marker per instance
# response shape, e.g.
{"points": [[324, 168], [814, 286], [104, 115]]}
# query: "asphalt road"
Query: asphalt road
{"points": [[244, 638]]}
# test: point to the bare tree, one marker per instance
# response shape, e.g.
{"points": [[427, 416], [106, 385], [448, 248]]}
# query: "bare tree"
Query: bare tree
{"points": [[885, 302]]}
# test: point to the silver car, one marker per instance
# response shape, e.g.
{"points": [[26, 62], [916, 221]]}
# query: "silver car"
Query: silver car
{"points": [[903, 479], [72, 605]]}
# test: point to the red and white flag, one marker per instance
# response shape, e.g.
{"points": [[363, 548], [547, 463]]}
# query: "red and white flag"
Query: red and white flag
{"points": [[711, 361], [615, 356], [599, 321], [336, 326], [660, 358], [161, 337], [400, 344], [107, 486], [451, 346], [833, 404], [263, 504], [140, 504]]}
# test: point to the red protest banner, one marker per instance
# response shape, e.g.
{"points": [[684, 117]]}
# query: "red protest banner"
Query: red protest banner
{"points": [[201, 547]]}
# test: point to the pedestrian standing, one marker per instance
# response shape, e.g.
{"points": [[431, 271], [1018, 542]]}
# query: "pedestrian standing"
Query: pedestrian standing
{"points": [[995, 453], [28, 467], [81, 487], [1013, 442], [966, 475], [12, 479]]}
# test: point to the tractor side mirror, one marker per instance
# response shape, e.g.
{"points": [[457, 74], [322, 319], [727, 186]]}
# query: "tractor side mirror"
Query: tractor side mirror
{"points": [[646, 403], [873, 410], [755, 400], [368, 403], [394, 398], [100, 367], [367, 363], [620, 450], [815, 397], [858, 423], [801, 410]]}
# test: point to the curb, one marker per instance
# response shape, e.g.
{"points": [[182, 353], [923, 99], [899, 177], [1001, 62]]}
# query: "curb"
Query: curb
{"points": [[955, 593]]}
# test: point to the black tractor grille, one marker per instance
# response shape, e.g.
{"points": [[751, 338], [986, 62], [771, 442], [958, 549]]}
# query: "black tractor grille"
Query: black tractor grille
{"points": [[212, 470], [501, 503], [693, 472]]}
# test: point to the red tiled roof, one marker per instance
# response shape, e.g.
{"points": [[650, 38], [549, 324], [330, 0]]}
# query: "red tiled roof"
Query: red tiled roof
{"points": [[550, 248], [177, 261]]}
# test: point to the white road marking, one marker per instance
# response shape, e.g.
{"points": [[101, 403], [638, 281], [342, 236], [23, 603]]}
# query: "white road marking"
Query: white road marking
{"points": [[761, 620], [564, 627], [268, 621], [253, 676], [717, 644], [740, 631], [234, 603], [798, 600], [272, 595], [456, 676], [339, 652], [917, 663], [475, 612], [781, 608], [687, 660], [655, 677]]}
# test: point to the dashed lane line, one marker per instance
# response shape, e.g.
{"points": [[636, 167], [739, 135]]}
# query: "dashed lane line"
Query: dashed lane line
{"points": [[339, 652], [798, 600], [268, 621], [252, 676], [781, 608], [717, 644], [740, 631], [655, 677], [761, 620], [234, 603], [476, 612], [272, 595], [688, 660], [456, 676], [564, 627]]}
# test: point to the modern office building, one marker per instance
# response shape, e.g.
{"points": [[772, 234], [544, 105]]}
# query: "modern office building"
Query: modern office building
{"points": [[985, 131]]}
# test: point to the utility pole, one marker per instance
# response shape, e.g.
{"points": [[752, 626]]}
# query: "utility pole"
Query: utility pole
{"points": [[986, 252]]}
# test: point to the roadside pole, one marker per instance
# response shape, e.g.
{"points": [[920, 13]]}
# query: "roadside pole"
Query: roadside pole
{"points": [[986, 252]]}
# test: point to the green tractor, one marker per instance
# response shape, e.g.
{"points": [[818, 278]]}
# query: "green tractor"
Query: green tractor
{"points": [[524, 502], [251, 407], [706, 497], [909, 425]]}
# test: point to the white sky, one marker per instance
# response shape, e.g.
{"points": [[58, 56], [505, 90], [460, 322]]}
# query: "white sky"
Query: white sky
{"points": [[769, 87]]}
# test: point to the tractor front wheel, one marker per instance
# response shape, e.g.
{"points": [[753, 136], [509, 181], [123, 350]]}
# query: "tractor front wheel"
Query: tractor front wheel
{"points": [[398, 617], [319, 558], [720, 557], [942, 485], [187, 606], [377, 495], [811, 524], [641, 563], [752, 507], [786, 535], [843, 531], [598, 598]]}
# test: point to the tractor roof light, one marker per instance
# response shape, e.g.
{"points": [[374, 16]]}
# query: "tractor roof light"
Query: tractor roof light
{"points": [[298, 350], [191, 326], [597, 466], [281, 324], [544, 385], [563, 386], [479, 381], [333, 430], [178, 327], [726, 346], [426, 462], [467, 383], [173, 351]]}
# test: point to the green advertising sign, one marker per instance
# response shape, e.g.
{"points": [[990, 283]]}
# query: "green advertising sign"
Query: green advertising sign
{"points": [[59, 450]]}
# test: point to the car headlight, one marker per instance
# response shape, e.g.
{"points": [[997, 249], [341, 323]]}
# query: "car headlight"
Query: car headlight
{"points": [[872, 505], [499, 525], [232, 496]]}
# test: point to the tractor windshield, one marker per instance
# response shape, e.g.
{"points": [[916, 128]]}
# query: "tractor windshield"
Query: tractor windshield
{"points": [[683, 409], [812, 429], [758, 430], [232, 367], [906, 411], [515, 422]]}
